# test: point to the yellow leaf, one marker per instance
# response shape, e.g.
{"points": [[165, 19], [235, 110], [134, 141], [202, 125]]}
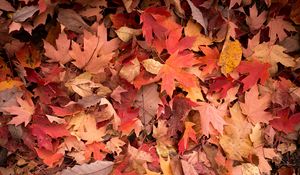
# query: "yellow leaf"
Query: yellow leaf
{"points": [[165, 166], [231, 56], [8, 84], [256, 136], [194, 93], [194, 30]]}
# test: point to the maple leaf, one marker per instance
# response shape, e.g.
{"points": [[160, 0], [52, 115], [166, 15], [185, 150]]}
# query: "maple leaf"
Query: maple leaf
{"points": [[97, 149], [210, 59], [53, 130], [254, 107], [49, 158], [29, 56], [256, 71], [151, 19], [277, 26], [84, 126], [115, 144], [222, 85], [189, 133], [255, 21], [210, 115], [194, 30], [273, 54], [97, 51], [285, 123], [233, 2], [148, 101], [23, 112], [173, 70], [235, 140], [61, 54]]}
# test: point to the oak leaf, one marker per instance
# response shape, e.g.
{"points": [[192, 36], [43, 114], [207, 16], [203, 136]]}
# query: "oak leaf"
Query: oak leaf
{"points": [[255, 106]]}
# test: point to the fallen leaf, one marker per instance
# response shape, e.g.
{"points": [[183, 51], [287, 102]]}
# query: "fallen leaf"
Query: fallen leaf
{"points": [[24, 13], [23, 112], [61, 52], [210, 115], [130, 70], [235, 140], [48, 157], [84, 127], [276, 28], [95, 168], [256, 71], [6, 6], [198, 16], [230, 56], [194, 30], [152, 66], [273, 54], [255, 106], [126, 33], [189, 133]]}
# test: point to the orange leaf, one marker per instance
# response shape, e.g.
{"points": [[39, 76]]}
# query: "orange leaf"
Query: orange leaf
{"points": [[49, 158], [173, 70], [189, 133]]}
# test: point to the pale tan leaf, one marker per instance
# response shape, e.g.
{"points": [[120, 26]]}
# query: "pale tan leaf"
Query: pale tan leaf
{"points": [[130, 70], [96, 168], [126, 33], [152, 66]]}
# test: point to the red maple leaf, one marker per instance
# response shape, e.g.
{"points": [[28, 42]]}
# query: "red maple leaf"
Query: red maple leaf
{"points": [[152, 18], [255, 70], [222, 85], [285, 123]]}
